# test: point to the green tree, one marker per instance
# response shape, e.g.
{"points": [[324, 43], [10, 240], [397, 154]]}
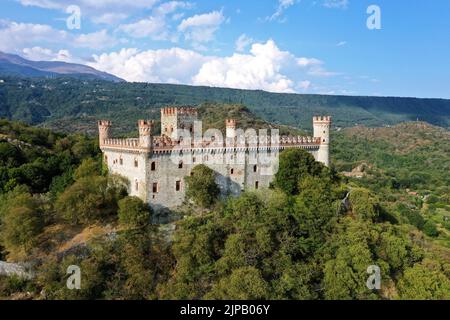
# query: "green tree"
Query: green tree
{"points": [[133, 212], [21, 221], [424, 281], [201, 186], [294, 165], [364, 205], [89, 167], [90, 199], [430, 229]]}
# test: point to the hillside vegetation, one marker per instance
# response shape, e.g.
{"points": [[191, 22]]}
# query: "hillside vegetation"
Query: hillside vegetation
{"points": [[71, 105], [311, 236]]}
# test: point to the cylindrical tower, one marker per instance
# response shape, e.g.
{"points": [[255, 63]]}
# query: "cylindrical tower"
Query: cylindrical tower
{"points": [[145, 134], [322, 126], [104, 128]]}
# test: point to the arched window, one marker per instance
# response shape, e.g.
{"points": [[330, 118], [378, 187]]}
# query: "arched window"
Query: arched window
{"points": [[255, 168]]}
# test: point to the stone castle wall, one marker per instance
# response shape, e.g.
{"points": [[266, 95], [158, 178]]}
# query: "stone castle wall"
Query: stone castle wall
{"points": [[156, 170]]}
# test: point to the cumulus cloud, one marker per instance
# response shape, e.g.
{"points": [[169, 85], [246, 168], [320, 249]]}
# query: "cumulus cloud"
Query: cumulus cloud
{"points": [[173, 65], [44, 54], [261, 69], [201, 28], [264, 67]]}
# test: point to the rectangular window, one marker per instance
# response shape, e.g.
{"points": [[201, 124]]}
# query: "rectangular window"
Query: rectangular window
{"points": [[153, 166], [180, 165], [155, 187], [121, 161], [256, 184], [255, 168], [178, 185], [136, 163]]}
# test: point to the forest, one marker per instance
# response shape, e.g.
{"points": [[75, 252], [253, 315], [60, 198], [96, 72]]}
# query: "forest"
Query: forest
{"points": [[312, 235], [71, 105]]}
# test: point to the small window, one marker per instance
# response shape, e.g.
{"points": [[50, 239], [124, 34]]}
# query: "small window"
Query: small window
{"points": [[193, 159], [136, 185], [256, 184], [136, 163], [178, 185], [180, 165], [155, 187], [121, 161], [232, 171], [106, 158], [255, 168], [324, 132], [153, 166]]}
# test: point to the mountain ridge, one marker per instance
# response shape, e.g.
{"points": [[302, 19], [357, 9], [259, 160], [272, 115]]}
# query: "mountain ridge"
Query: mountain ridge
{"points": [[15, 65]]}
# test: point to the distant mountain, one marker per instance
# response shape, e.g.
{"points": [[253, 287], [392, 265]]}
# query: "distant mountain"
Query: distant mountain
{"points": [[74, 105], [14, 65]]}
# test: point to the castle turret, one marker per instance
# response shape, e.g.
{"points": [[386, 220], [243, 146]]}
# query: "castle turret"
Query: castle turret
{"points": [[230, 125], [322, 127], [104, 128], [145, 134]]}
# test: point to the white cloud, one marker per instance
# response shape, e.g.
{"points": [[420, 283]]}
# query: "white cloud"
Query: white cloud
{"points": [[243, 42], [99, 11], [156, 26], [264, 67], [44, 54], [201, 28], [151, 26], [339, 4], [341, 44], [17, 36], [304, 85], [173, 65], [282, 6], [109, 18], [95, 40], [261, 69]]}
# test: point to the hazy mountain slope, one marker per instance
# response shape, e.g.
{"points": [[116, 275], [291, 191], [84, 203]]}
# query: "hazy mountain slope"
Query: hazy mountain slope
{"points": [[14, 65], [70, 105]]}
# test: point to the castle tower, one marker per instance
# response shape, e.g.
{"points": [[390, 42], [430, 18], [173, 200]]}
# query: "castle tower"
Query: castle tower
{"points": [[173, 119], [145, 134], [230, 125], [104, 128], [322, 125]]}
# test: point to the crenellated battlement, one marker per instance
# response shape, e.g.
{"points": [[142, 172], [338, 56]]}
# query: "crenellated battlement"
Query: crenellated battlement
{"points": [[172, 111], [326, 119], [230, 123]]}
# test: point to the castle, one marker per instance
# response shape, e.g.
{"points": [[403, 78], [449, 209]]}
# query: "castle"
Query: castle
{"points": [[156, 165]]}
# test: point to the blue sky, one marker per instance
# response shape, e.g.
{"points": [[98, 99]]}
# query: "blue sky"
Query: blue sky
{"points": [[304, 46]]}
